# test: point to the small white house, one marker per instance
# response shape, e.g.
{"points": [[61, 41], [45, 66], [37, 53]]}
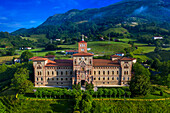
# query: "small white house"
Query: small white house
{"points": [[28, 48], [58, 39], [157, 38], [17, 60]]}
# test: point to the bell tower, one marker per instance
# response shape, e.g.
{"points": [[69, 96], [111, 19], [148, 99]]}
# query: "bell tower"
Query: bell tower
{"points": [[82, 45]]}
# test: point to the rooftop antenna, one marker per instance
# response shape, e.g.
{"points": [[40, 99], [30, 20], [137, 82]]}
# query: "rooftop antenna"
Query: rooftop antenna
{"points": [[82, 37]]}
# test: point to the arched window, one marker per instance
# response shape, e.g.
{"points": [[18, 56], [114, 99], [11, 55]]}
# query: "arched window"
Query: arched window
{"points": [[108, 78], [61, 78], [61, 73], [57, 72], [103, 78], [128, 78], [117, 72], [66, 72], [48, 73], [94, 72], [123, 78], [99, 78], [112, 78], [75, 62], [117, 78], [37, 79], [124, 72], [48, 79], [71, 72], [108, 72], [127, 72], [112, 72], [41, 79], [39, 67], [90, 61], [99, 72], [52, 72], [38, 73], [103, 72]]}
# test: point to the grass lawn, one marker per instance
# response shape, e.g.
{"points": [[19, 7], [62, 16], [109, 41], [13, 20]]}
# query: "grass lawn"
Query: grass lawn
{"points": [[107, 47]]}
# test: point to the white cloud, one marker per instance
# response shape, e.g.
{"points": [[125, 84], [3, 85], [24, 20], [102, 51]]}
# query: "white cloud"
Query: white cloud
{"points": [[32, 22], [3, 18], [57, 7]]}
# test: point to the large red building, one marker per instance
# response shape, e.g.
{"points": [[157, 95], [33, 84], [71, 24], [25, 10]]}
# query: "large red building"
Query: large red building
{"points": [[82, 68]]}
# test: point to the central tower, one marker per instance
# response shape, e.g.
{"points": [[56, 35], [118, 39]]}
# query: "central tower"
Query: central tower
{"points": [[82, 64], [82, 45]]}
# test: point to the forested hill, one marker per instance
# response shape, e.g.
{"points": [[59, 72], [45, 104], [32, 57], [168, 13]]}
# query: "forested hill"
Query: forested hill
{"points": [[92, 22]]}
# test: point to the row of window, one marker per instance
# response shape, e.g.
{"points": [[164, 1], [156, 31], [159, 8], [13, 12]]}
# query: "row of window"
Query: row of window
{"points": [[117, 78], [39, 73], [41, 79], [104, 72], [56, 83], [125, 72], [59, 68], [82, 45], [61, 73], [58, 79]]}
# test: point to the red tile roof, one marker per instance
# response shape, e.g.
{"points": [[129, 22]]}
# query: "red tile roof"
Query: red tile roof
{"points": [[82, 42], [115, 56], [126, 59], [60, 63], [83, 54], [34, 58], [50, 56], [40, 59], [105, 62]]}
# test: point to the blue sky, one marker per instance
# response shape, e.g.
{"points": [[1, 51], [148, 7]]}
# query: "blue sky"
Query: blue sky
{"points": [[15, 14]]}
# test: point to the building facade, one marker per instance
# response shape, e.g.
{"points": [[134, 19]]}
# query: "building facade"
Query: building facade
{"points": [[81, 69]]}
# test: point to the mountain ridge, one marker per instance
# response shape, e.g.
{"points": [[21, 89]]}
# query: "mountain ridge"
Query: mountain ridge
{"points": [[140, 11]]}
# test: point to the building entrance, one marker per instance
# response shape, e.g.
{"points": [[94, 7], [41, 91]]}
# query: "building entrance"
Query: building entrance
{"points": [[83, 82]]}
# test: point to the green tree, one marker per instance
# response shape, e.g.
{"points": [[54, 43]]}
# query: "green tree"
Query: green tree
{"points": [[60, 93], [26, 86], [100, 92], [114, 92], [2, 108], [106, 92], [50, 53], [140, 85], [45, 93], [86, 103], [36, 93], [128, 93], [20, 76], [110, 92], [119, 92], [51, 47], [26, 55]]}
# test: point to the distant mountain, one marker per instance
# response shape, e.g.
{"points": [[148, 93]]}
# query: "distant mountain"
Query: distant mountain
{"points": [[94, 20], [149, 10]]}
